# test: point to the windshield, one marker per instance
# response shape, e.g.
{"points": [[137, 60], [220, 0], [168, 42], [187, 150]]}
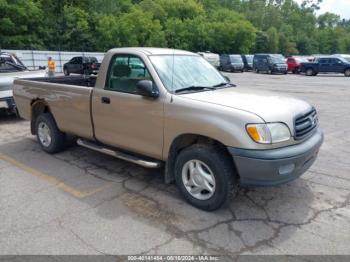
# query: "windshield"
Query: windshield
{"points": [[344, 59], [182, 71], [236, 59], [277, 59], [249, 58]]}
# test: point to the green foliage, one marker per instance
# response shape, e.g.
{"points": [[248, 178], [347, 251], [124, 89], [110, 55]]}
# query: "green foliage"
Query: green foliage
{"points": [[21, 24], [223, 26]]}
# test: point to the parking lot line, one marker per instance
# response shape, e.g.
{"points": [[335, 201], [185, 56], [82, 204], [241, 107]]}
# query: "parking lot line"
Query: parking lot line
{"points": [[57, 183]]}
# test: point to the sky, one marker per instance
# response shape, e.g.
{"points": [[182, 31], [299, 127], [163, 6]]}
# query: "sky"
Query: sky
{"points": [[339, 7]]}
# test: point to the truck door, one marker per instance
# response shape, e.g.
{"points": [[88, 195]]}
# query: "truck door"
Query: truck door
{"points": [[122, 117], [337, 65], [324, 65]]}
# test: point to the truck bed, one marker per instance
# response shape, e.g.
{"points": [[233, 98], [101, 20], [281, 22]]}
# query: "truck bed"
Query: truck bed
{"points": [[69, 99], [78, 80]]}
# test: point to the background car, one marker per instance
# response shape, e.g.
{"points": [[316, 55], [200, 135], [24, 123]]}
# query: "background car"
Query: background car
{"points": [[294, 62], [270, 63], [212, 58], [11, 68], [248, 62], [231, 63], [82, 65], [326, 64]]}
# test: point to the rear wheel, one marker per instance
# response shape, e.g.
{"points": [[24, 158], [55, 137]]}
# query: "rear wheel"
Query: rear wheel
{"points": [[310, 72], [347, 73], [205, 176], [50, 138]]}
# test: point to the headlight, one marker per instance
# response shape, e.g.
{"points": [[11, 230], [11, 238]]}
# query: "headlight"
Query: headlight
{"points": [[268, 133]]}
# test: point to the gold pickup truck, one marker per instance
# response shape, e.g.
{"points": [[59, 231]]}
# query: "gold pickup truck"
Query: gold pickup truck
{"points": [[163, 107]]}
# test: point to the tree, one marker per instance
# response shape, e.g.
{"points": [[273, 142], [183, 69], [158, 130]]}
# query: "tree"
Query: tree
{"points": [[273, 40], [261, 43], [21, 24], [224, 26], [328, 20]]}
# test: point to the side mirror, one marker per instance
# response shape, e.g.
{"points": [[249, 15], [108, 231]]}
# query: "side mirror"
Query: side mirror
{"points": [[146, 88]]}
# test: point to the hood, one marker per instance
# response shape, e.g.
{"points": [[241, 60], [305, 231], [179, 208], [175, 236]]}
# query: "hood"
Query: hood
{"points": [[271, 107], [6, 79]]}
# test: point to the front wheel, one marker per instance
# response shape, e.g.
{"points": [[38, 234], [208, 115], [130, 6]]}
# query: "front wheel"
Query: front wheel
{"points": [[205, 176], [66, 72], [347, 73], [50, 138]]}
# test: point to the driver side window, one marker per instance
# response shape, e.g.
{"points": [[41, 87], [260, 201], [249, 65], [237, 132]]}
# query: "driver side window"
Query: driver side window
{"points": [[124, 72]]}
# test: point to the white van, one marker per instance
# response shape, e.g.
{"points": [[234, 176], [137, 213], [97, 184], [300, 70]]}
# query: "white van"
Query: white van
{"points": [[212, 58]]}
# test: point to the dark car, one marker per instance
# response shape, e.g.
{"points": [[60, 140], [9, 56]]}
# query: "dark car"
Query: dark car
{"points": [[326, 64], [82, 65], [270, 63], [231, 63], [248, 62]]}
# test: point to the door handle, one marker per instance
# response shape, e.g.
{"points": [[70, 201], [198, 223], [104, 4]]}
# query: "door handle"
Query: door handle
{"points": [[105, 100]]}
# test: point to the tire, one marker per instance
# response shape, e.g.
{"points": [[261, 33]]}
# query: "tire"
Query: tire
{"points": [[65, 71], [50, 138], [347, 72], [217, 165], [309, 72]]}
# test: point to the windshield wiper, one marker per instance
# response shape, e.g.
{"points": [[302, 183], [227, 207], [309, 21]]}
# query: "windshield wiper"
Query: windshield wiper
{"points": [[194, 88], [224, 84]]}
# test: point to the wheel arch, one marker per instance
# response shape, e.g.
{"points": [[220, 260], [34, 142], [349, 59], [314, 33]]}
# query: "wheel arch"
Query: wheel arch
{"points": [[183, 141], [38, 106]]}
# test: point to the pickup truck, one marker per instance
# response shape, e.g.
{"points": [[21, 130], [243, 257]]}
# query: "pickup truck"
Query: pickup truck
{"points": [[12, 68], [176, 111], [330, 64]]}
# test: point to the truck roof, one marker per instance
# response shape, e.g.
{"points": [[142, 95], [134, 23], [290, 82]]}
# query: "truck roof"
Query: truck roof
{"points": [[152, 51]]}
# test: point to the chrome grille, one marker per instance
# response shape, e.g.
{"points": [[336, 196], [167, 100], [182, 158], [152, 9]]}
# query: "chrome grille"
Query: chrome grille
{"points": [[305, 124]]}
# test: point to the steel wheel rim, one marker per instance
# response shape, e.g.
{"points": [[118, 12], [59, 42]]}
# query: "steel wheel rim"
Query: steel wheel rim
{"points": [[347, 73], [44, 134], [198, 179]]}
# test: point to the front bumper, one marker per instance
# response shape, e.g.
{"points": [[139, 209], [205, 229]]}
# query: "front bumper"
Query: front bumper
{"points": [[276, 166], [7, 103], [279, 69]]}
